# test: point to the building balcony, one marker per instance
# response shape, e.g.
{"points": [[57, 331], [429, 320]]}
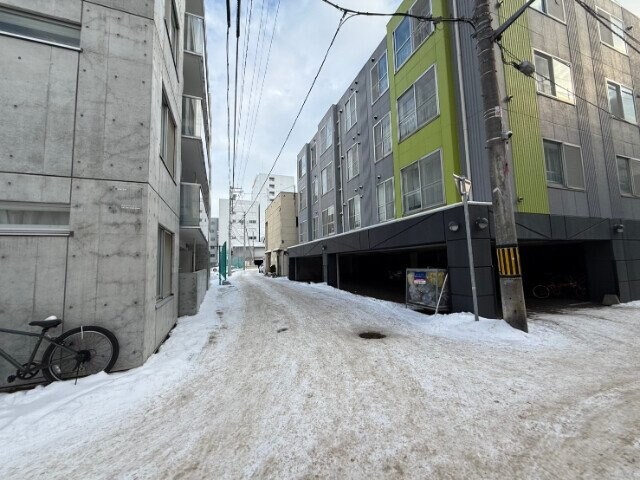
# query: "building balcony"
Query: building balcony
{"points": [[196, 165], [194, 215], [195, 63]]}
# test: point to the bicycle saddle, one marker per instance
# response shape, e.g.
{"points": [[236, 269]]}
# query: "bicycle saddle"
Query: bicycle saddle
{"points": [[50, 322]]}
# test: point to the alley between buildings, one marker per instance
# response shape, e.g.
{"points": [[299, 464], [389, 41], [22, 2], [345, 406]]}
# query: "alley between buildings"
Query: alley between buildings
{"points": [[271, 380]]}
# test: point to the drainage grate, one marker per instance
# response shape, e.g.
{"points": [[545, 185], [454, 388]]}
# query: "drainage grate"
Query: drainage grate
{"points": [[371, 335]]}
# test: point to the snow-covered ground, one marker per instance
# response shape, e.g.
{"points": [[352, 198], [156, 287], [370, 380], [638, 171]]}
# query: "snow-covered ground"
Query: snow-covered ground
{"points": [[270, 380]]}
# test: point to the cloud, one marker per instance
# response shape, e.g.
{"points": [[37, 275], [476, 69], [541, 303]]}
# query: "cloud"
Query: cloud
{"points": [[303, 32]]}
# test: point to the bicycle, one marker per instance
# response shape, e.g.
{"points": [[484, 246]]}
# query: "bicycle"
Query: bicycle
{"points": [[557, 289], [76, 353]]}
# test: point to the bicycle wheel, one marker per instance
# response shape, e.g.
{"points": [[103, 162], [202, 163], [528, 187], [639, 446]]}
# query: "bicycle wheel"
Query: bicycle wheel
{"points": [[541, 291], [97, 351]]}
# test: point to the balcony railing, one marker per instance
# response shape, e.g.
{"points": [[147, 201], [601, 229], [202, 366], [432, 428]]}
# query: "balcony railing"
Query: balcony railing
{"points": [[193, 126], [193, 213]]}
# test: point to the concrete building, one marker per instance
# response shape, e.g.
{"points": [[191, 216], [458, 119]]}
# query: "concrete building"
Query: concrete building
{"points": [[91, 165], [413, 117], [282, 231], [265, 189], [245, 246], [214, 243]]}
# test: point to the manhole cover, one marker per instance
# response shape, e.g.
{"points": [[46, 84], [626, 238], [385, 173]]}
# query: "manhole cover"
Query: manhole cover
{"points": [[371, 335]]}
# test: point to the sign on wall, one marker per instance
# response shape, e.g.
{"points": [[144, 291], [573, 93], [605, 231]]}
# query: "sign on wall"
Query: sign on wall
{"points": [[427, 288]]}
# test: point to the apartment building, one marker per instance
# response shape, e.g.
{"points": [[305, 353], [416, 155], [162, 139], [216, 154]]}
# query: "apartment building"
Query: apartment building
{"points": [[264, 190], [282, 232], [246, 248], [573, 152], [92, 213]]}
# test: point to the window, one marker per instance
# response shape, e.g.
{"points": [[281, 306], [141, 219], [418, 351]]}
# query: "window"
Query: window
{"points": [[314, 190], [171, 22], [411, 32], [354, 213], [553, 77], [418, 105], [555, 8], [168, 138], [351, 114], [386, 201], [379, 77], [35, 27], [422, 183], [326, 178], [326, 137], [629, 176], [253, 221], [314, 227], [194, 34], [328, 225], [353, 162], [301, 231], [613, 35], [28, 217], [382, 138], [165, 264], [313, 155], [303, 198], [621, 102], [564, 165], [302, 165]]}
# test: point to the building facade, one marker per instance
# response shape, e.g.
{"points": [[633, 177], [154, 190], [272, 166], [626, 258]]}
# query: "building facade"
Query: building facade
{"points": [[265, 188], [91, 166], [282, 232], [245, 245], [400, 132]]}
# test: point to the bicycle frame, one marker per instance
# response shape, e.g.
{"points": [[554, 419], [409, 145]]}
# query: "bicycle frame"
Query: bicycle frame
{"points": [[40, 336]]}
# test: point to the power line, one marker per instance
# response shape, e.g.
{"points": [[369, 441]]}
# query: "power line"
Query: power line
{"points": [[235, 102], [343, 20], [228, 101], [429, 18], [257, 110]]}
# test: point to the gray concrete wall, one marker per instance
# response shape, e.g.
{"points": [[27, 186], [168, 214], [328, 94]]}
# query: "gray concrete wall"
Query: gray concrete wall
{"points": [[83, 129], [193, 287]]}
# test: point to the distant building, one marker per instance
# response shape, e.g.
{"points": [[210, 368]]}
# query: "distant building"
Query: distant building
{"points": [[282, 231], [214, 244], [245, 246], [273, 185]]}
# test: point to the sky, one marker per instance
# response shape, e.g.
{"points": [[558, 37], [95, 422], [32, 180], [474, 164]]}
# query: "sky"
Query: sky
{"points": [[302, 34]]}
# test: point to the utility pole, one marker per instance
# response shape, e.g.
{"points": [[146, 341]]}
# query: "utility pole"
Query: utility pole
{"points": [[230, 215], [244, 241], [512, 295]]}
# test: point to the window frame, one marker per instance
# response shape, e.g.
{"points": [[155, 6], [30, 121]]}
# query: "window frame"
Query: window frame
{"points": [[414, 48], [601, 13], [415, 104], [564, 11], [301, 231], [355, 161], [393, 201], [302, 196], [327, 135], [160, 265], [175, 41], [43, 19], [333, 180], [349, 122], [167, 114], [357, 216], [375, 67], [553, 58], [619, 87], [564, 185], [315, 191], [333, 223], [633, 193], [302, 165], [402, 186], [315, 223], [384, 154]]}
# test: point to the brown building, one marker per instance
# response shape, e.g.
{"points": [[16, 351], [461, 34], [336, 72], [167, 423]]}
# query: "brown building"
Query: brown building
{"points": [[281, 231]]}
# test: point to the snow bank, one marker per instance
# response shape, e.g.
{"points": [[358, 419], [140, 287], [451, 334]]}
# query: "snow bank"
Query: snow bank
{"points": [[96, 399]]}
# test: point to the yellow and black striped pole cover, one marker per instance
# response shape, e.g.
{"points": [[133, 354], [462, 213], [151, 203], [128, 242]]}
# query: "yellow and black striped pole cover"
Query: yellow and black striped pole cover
{"points": [[509, 261]]}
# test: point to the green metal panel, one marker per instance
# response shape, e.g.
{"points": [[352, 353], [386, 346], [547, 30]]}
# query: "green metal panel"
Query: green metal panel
{"points": [[440, 133], [524, 117]]}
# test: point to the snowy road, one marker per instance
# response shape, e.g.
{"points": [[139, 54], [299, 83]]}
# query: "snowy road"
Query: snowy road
{"points": [[233, 395]]}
